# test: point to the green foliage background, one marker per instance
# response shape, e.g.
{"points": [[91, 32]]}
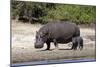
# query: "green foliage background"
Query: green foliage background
{"points": [[44, 12]]}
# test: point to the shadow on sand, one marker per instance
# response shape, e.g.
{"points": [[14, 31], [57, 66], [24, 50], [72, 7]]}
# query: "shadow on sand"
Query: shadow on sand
{"points": [[54, 49]]}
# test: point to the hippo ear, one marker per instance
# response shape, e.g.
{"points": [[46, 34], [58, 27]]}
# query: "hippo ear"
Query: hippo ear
{"points": [[45, 33]]}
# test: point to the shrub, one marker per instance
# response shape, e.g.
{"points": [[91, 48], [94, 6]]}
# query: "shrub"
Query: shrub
{"points": [[44, 12]]}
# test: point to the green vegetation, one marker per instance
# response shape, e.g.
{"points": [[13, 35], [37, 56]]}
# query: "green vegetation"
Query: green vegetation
{"points": [[44, 12]]}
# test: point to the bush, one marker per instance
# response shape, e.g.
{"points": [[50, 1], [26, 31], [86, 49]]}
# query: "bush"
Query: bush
{"points": [[44, 12]]}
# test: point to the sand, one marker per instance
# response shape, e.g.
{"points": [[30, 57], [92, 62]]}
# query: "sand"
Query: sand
{"points": [[23, 38]]}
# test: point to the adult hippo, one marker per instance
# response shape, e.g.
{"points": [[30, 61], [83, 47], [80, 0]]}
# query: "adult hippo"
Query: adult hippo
{"points": [[56, 32]]}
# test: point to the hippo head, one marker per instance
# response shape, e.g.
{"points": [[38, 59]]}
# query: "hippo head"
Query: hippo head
{"points": [[40, 40]]}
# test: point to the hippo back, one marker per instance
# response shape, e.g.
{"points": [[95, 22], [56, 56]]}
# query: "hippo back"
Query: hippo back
{"points": [[61, 31]]}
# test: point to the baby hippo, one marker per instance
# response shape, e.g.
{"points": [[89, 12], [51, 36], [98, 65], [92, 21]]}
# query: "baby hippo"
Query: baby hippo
{"points": [[77, 43]]}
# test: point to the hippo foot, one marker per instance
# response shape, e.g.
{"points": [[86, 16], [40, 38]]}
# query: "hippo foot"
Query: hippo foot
{"points": [[73, 49], [81, 48], [47, 49]]}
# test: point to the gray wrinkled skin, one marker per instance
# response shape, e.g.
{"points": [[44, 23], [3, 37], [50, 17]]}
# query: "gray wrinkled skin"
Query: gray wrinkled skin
{"points": [[77, 42], [56, 32]]}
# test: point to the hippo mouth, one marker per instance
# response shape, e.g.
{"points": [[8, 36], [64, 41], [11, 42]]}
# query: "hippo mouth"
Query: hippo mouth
{"points": [[38, 46]]}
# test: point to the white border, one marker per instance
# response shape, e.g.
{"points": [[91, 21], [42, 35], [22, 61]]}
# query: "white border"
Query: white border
{"points": [[5, 33]]}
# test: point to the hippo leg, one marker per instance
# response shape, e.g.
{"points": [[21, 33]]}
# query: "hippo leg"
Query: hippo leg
{"points": [[74, 46], [48, 45], [75, 43], [81, 45], [55, 43]]}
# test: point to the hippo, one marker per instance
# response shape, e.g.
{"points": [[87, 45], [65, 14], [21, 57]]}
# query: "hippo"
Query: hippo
{"points": [[77, 42], [56, 32]]}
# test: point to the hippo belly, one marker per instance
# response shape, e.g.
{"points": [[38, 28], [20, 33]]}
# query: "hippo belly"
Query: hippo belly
{"points": [[63, 41]]}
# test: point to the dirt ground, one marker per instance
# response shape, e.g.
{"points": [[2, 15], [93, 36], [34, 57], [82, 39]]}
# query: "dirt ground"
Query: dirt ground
{"points": [[23, 38]]}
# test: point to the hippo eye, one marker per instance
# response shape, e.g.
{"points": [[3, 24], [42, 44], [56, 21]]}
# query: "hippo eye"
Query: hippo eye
{"points": [[36, 36], [41, 36]]}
